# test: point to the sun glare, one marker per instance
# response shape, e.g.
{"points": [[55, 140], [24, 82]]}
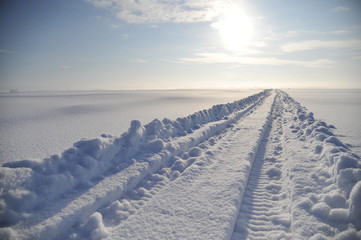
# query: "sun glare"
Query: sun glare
{"points": [[235, 28]]}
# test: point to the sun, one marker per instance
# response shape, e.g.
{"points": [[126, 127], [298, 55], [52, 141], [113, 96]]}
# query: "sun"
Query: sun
{"points": [[235, 28]]}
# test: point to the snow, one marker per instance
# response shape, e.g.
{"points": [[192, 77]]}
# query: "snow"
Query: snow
{"points": [[355, 206], [260, 167], [218, 187], [340, 108], [37, 125]]}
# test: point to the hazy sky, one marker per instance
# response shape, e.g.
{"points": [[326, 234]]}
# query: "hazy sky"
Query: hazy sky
{"points": [[160, 44]]}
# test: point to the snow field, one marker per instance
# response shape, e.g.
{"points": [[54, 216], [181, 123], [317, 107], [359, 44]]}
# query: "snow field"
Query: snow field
{"points": [[258, 168], [79, 176], [337, 107], [38, 125]]}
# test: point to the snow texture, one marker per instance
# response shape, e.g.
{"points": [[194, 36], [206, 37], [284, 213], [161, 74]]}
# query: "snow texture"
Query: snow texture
{"points": [[261, 167], [36, 125]]}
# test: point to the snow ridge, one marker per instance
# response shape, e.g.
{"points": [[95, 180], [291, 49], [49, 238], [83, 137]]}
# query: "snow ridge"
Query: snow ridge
{"points": [[31, 186], [332, 196]]}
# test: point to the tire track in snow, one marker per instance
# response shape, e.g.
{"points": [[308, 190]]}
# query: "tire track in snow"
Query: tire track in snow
{"points": [[114, 213], [204, 201], [237, 169], [75, 207], [265, 209]]}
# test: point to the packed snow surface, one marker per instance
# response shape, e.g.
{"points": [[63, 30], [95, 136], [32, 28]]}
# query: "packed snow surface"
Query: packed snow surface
{"points": [[257, 168]]}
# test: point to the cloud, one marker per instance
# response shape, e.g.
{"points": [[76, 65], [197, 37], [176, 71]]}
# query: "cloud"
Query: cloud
{"points": [[260, 44], [65, 67], [212, 57], [341, 9], [125, 36], [5, 51], [316, 44], [340, 32], [158, 11], [113, 26], [291, 34]]}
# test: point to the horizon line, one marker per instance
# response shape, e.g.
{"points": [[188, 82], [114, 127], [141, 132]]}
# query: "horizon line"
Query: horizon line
{"points": [[15, 91]]}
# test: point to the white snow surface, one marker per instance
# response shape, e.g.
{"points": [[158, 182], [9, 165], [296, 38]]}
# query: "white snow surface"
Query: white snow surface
{"points": [[339, 107], [258, 168], [37, 125]]}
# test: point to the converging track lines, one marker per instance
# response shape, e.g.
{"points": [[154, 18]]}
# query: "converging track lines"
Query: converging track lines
{"points": [[265, 211], [258, 168]]}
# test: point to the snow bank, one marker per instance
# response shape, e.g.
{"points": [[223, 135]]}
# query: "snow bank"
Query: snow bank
{"points": [[29, 186], [339, 171]]}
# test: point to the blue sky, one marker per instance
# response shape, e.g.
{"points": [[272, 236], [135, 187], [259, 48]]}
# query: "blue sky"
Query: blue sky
{"points": [[154, 44]]}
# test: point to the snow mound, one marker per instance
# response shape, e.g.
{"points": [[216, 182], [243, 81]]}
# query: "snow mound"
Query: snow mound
{"points": [[339, 172], [355, 204], [194, 152], [95, 226]]}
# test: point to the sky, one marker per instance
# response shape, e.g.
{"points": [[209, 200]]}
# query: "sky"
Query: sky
{"points": [[179, 44]]}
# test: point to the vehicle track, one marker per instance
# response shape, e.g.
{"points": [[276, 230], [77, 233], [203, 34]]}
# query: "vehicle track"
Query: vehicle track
{"points": [[204, 162], [115, 212], [264, 170], [265, 209], [74, 206]]}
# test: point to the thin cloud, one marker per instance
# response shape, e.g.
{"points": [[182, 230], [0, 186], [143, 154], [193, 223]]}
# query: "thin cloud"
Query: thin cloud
{"points": [[291, 34], [5, 51], [281, 36], [211, 57], [316, 44], [341, 9], [340, 32], [156, 11], [113, 26]]}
